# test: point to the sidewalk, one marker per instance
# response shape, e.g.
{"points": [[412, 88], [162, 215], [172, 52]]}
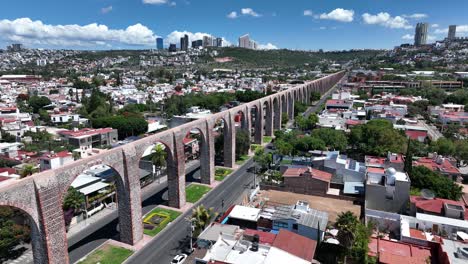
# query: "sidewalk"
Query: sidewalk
{"points": [[146, 192]]}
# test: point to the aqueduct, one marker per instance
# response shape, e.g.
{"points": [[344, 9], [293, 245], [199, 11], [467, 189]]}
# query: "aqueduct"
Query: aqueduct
{"points": [[40, 196]]}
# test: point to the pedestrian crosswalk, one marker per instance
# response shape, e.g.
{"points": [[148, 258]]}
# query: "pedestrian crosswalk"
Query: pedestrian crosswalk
{"points": [[25, 258]]}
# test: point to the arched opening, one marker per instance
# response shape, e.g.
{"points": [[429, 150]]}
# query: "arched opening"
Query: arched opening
{"points": [[284, 110], [277, 114], [93, 195], [242, 136], [256, 121], [268, 118], [219, 129], [196, 156], [20, 237]]}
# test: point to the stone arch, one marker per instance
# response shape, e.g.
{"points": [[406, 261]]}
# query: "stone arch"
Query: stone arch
{"points": [[277, 113], [291, 105], [268, 116], [206, 147], [127, 186], [256, 119], [38, 239], [228, 139]]}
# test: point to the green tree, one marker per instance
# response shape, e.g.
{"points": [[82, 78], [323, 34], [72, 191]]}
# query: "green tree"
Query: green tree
{"points": [[333, 139], [461, 152], [158, 157], [242, 143], [11, 234], [409, 157], [127, 125], [27, 170], [443, 146], [443, 187], [202, 217], [38, 102], [377, 137], [262, 158], [73, 200]]}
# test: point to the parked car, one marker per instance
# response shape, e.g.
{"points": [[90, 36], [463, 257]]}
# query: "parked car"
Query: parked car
{"points": [[179, 259]]}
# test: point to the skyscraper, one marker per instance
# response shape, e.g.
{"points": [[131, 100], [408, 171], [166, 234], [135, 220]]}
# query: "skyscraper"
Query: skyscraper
{"points": [[172, 47], [219, 42], [197, 43], [207, 41], [452, 32], [244, 41], [420, 36], [159, 43], [184, 42]]}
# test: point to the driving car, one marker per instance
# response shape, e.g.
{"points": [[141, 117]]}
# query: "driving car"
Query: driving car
{"points": [[179, 259]]}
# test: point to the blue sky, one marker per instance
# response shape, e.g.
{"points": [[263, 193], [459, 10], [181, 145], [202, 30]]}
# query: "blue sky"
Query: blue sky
{"points": [[294, 24]]}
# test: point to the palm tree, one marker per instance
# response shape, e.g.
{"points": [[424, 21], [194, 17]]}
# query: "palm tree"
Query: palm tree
{"points": [[159, 156], [346, 223], [73, 200], [28, 170], [201, 218]]}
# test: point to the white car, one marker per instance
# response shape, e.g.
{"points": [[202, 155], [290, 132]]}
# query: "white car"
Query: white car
{"points": [[179, 259]]}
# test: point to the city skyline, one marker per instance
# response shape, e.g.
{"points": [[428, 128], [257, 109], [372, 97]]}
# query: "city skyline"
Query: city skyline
{"points": [[109, 24]]}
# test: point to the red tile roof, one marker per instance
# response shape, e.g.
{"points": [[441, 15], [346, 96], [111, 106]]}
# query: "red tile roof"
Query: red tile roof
{"points": [[304, 171], [415, 233], [295, 244], [415, 135], [390, 252], [61, 154], [376, 170], [443, 166], [86, 132], [265, 237], [9, 170], [435, 205]]}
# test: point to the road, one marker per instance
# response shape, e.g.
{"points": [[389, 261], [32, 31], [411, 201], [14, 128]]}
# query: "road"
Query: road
{"points": [[171, 240], [324, 97], [103, 229]]}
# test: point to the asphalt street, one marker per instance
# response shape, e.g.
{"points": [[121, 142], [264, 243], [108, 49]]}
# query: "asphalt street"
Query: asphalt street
{"points": [[171, 240], [96, 234]]}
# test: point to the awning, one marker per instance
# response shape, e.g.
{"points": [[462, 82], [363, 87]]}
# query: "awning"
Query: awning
{"points": [[93, 188]]}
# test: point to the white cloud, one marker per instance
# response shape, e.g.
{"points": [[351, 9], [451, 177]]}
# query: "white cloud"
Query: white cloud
{"points": [[323, 28], [308, 13], [386, 20], [339, 14], [172, 4], [106, 10], [435, 25], [267, 46], [416, 16], [249, 12], [462, 30], [26, 31], [233, 15], [408, 37], [155, 2]]}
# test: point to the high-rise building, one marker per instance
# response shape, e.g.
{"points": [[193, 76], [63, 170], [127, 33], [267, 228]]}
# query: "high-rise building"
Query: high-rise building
{"points": [[184, 42], [219, 42], [172, 47], [197, 43], [244, 41], [207, 41], [159, 43], [452, 32], [420, 36]]}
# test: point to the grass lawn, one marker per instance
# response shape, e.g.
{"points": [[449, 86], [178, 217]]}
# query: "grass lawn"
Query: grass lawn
{"points": [[242, 159], [171, 213], [267, 139], [286, 162], [221, 173], [107, 254], [194, 192], [254, 147]]}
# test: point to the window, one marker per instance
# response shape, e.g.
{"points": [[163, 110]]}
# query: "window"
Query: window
{"points": [[295, 226]]}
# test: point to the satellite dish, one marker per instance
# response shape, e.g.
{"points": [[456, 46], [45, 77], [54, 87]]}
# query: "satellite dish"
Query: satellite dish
{"points": [[427, 194]]}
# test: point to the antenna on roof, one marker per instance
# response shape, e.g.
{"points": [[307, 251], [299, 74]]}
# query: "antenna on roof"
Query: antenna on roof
{"points": [[427, 194]]}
